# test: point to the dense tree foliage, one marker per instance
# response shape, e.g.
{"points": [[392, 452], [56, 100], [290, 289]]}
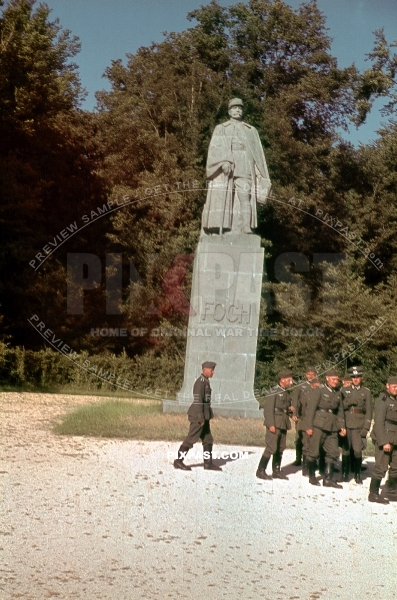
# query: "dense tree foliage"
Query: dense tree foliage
{"points": [[329, 228]]}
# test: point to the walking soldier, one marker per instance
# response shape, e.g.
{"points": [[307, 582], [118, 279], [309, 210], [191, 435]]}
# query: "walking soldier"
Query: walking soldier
{"points": [[276, 413], [199, 415]]}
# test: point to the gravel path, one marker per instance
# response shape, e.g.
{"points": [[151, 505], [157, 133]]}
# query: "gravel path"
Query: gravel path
{"points": [[113, 520]]}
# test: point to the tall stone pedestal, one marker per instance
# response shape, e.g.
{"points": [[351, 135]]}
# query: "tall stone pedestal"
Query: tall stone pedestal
{"points": [[226, 293]]}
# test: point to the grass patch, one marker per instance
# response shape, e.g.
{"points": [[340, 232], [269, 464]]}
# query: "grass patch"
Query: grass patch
{"points": [[144, 420]]}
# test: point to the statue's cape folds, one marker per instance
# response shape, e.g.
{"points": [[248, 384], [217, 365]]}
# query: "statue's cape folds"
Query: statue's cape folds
{"points": [[218, 209]]}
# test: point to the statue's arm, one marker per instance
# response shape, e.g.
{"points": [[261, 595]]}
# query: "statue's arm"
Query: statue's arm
{"points": [[219, 159]]}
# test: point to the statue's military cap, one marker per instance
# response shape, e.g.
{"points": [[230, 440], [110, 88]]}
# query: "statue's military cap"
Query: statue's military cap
{"points": [[208, 365], [236, 102]]}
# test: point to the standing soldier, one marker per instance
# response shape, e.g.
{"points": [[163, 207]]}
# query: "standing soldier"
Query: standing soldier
{"points": [[276, 413], [300, 396], [199, 415], [357, 404], [324, 418], [384, 435]]}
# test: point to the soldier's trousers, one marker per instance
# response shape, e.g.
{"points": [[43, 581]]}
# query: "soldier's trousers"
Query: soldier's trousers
{"points": [[196, 432], [275, 442], [323, 439], [353, 440], [302, 439], [384, 460]]}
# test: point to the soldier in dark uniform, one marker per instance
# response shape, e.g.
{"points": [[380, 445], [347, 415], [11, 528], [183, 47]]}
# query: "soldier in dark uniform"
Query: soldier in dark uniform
{"points": [[276, 412], [357, 404], [199, 415], [324, 418], [300, 396], [384, 436]]}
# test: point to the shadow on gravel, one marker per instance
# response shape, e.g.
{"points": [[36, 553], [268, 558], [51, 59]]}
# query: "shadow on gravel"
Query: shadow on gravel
{"points": [[221, 462]]}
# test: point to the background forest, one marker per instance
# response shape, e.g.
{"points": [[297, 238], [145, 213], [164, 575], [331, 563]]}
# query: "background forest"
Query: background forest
{"points": [[124, 186]]}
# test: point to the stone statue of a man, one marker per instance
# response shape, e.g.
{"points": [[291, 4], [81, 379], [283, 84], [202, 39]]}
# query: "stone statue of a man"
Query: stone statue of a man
{"points": [[237, 174]]}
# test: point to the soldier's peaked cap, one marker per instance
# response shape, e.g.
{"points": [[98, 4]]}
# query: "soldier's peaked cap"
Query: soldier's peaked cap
{"points": [[332, 373], [208, 365], [355, 371], [284, 374], [392, 380], [235, 102], [310, 369]]}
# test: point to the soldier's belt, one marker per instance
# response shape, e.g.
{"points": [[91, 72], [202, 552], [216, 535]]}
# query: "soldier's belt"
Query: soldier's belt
{"points": [[357, 411], [391, 421], [327, 410], [238, 147], [281, 410]]}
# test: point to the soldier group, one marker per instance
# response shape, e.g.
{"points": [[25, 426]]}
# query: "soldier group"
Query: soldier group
{"points": [[327, 417]]}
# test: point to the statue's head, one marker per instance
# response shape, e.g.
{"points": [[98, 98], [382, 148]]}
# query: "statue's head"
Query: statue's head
{"points": [[236, 109]]}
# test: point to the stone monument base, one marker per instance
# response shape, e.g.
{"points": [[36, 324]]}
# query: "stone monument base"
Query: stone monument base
{"points": [[223, 324]]}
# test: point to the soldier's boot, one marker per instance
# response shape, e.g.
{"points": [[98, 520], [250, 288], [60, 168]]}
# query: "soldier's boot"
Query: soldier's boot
{"points": [[276, 465], [178, 463], [321, 463], [345, 467], [245, 216], [391, 489], [311, 467], [374, 495], [328, 480], [305, 472], [298, 455], [357, 470], [208, 464], [261, 470]]}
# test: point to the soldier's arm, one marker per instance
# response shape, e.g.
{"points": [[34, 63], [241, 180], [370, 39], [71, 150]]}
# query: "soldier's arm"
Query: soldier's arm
{"points": [[198, 398], [368, 413], [295, 399], [268, 411], [379, 425], [312, 403], [341, 417]]}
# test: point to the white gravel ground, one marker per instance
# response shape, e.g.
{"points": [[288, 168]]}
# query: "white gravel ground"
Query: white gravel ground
{"points": [[104, 519]]}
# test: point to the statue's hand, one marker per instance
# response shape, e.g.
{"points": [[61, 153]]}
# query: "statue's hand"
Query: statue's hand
{"points": [[226, 168]]}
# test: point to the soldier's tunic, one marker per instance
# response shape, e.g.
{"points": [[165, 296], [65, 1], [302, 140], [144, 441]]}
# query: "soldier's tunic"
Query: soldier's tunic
{"points": [[385, 432], [300, 398], [357, 405], [199, 414], [276, 413], [325, 416]]}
